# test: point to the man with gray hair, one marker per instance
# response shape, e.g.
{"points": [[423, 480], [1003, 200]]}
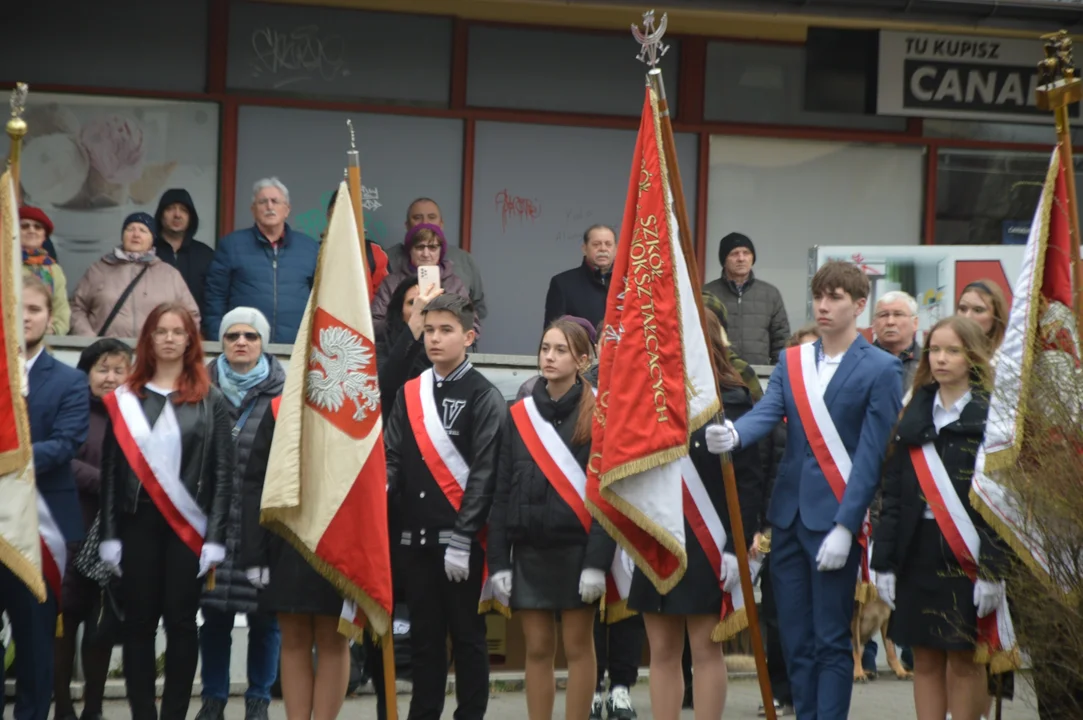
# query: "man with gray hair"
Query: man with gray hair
{"points": [[268, 266], [895, 323]]}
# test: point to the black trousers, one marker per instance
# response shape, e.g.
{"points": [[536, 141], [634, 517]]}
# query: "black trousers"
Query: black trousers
{"points": [[159, 581], [618, 648], [776, 660], [33, 627], [438, 608]]}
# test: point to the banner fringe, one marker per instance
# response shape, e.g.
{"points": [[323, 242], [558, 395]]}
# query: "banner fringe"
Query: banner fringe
{"points": [[23, 569], [378, 617], [730, 626], [663, 585]]}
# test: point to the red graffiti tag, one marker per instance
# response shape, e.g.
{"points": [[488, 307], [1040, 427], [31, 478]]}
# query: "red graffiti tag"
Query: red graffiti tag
{"points": [[515, 206]]}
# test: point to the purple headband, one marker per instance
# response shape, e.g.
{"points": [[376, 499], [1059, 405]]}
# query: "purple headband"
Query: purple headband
{"points": [[583, 323]]}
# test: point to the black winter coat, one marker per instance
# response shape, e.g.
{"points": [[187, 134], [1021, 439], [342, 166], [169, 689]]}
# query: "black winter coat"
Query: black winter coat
{"points": [[232, 591], [206, 471], [527, 509], [580, 292], [904, 503]]}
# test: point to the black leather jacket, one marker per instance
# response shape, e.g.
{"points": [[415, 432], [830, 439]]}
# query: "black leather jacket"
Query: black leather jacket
{"points": [[207, 463]]}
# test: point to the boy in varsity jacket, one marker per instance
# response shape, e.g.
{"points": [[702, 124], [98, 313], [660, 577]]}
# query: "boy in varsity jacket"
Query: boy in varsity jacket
{"points": [[442, 437]]}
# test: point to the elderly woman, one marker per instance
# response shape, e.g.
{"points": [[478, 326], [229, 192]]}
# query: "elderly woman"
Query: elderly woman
{"points": [[119, 291], [106, 363], [428, 246], [35, 229], [249, 378]]}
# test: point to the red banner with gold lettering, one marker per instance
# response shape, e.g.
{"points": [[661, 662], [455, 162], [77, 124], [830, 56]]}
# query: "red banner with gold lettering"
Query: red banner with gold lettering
{"points": [[655, 384]]}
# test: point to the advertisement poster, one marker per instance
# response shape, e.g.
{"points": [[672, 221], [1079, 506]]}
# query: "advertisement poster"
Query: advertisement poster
{"points": [[933, 274], [90, 161]]}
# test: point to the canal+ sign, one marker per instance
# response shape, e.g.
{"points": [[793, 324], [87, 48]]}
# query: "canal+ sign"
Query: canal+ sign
{"points": [[959, 76]]}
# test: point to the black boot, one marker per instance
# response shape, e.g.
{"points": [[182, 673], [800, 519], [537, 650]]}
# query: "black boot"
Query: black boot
{"points": [[212, 709], [255, 709]]}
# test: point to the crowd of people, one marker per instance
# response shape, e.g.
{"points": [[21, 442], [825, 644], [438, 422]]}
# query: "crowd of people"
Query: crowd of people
{"points": [[152, 460]]}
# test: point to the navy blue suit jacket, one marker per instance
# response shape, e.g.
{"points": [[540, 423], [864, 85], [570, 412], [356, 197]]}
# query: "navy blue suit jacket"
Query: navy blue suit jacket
{"points": [[863, 398], [59, 408]]}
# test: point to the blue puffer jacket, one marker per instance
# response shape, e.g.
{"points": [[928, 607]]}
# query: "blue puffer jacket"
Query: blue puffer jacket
{"points": [[247, 272]]}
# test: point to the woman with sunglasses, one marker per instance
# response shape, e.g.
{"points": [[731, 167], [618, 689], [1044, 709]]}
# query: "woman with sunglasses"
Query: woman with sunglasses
{"points": [[249, 378]]}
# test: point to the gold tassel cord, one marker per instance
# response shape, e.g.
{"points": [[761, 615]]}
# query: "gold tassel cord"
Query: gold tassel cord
{"points": [[730, 626]]}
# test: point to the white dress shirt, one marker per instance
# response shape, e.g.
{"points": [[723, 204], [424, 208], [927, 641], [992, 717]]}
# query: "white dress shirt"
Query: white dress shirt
{"points": [[943, 416], [826, 368]]}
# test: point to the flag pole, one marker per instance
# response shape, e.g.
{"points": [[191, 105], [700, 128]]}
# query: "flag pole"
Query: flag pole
{"points": [[1058, 88], [353, 181], [16, 129], [650, 38]]}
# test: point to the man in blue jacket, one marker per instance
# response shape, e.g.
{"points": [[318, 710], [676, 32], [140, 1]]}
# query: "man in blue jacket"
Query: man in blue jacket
{"points": [[59, 407], [840, 397], [268, 266]]}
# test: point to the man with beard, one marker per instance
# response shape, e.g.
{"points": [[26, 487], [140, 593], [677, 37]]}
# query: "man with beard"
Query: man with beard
{"points": [[582, 291]]}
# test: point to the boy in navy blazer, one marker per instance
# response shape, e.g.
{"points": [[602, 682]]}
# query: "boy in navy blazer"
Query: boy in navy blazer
{"points": [[840, 397], [59, 407]]}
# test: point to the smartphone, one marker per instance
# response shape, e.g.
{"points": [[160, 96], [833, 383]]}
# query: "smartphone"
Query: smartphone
{"points": [[428, 275]]}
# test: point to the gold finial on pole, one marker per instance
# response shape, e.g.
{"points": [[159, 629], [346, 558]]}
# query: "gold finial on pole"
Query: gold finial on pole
{"points": [[16, 129], [1058, 88]]}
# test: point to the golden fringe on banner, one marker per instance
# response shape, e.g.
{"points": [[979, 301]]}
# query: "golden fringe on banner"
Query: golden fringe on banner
{"points": [[729, 627]]}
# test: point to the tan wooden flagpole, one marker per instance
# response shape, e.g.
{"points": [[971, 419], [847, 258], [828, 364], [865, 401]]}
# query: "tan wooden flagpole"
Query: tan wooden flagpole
{"points": [[353, 181], [651, 40]]}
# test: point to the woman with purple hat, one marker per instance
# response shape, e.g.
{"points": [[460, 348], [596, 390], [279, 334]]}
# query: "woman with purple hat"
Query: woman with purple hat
{"points": [[428, 246], [118, 292]]}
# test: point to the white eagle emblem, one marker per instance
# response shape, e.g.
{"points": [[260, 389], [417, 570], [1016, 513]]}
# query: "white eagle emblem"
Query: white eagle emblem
{"points": [[341, 359]]}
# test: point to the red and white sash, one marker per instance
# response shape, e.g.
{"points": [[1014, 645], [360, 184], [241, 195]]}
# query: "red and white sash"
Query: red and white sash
{"points": [[154, 455], [711, 535], [823, 437], [447, 465], [54, 549], [562, 471], [996, 635]]}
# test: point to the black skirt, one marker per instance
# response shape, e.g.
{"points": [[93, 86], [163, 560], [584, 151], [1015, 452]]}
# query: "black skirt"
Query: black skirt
{"points": [[698, 593], [934, 598], [546, 578], [295, 587]]}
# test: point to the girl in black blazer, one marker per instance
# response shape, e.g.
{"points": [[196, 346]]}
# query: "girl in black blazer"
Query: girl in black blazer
{"points": [[540, 552], [936, 604]]}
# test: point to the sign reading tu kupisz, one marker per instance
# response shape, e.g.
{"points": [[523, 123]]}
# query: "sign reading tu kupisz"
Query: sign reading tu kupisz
{"points": [[959, 76]]}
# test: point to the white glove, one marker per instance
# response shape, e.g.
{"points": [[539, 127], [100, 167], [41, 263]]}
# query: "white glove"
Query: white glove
{"points": [[721, 438], [456, 564], [212, 554], [885, 588], [591, 585], [731, 573], [259, 577], [110, 552], [987, 596], [502, 583], [834, 550]]}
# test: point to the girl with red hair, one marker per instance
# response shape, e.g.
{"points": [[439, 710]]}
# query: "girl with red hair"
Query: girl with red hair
{"points": [[167, 468]]}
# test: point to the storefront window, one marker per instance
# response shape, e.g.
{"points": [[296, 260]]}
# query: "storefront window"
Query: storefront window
{"points": [[988, 197]]}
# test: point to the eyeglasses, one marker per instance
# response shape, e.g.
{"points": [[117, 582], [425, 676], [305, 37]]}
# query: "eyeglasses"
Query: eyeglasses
{"points": [[235, 336], [270, 201], [163, 333], [431, 248]]}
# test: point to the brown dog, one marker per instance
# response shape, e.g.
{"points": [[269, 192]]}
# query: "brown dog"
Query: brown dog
{"points": [[869, 617]]}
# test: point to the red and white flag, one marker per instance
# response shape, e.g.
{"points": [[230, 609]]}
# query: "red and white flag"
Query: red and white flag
{"points": [[1040, 341], [20, 543], [54, 549], [655, 383], [326, 485]]}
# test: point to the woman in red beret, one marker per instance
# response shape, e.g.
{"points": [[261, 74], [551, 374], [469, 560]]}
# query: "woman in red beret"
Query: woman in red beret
{"points": [[35, 227]]}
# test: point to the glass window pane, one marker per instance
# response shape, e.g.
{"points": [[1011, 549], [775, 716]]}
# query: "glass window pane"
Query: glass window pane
{"points": [[788, 196], [1037, 133], [988, 197]]}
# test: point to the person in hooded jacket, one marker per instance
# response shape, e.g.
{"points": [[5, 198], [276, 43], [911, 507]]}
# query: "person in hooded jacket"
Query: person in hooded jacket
{"points": [[546, 554], [249, 378], [176, 244], [428, 246]]}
